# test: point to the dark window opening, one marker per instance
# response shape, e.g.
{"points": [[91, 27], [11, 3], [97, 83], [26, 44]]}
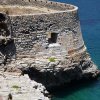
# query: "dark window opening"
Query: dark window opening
{"points": [[53, 38]]}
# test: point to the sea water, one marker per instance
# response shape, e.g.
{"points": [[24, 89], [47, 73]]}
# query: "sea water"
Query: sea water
{"points": [[89, 13]]}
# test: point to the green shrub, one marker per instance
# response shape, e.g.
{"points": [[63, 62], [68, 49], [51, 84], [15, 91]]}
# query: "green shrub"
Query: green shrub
{"points": [[52, 59], [15, 87]]}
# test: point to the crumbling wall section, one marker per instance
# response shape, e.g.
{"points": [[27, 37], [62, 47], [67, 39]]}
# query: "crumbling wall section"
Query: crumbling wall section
{"points": [[30, 32]]}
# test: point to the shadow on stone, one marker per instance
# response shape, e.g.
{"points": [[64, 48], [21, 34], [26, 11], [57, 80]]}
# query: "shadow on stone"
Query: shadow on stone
{"points": [[7, 51], [72, 87]]}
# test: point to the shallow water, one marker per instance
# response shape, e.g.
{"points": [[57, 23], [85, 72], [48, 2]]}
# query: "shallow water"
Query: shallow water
{"points": [[89, 13]]}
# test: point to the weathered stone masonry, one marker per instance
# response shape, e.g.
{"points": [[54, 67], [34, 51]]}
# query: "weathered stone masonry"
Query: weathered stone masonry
{"points": [[31, 31]]}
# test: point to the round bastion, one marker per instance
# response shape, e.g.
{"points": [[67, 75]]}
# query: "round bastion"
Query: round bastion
{"points": [[41, 28]]}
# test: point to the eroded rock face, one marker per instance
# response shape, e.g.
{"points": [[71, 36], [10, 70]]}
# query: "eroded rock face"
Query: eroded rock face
{"points": [[63, 71], [21, 88], [57, 72]]}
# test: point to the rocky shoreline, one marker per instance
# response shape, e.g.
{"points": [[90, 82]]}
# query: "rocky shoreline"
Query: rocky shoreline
{"points": [[38, 77], [16, 87], [59, 73]]}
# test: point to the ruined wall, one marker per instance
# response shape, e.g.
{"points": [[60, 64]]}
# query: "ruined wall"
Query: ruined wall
{"points": [[31, 33]]}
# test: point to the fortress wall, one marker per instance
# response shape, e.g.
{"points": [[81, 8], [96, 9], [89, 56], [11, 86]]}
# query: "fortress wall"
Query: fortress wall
{"points": [[38, 3], [30, 32]]}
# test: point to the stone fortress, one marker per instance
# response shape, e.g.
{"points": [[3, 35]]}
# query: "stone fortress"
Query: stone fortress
{"points": [[40, 29], [43, 39]]}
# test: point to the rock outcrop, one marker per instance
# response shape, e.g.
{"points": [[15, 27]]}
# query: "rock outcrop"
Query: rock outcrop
{"points": [[20, 88], [57, 72]]}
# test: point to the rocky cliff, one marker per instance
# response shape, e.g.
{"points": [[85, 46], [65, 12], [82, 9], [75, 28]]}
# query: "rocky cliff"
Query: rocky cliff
{"points": [[60, 72]]}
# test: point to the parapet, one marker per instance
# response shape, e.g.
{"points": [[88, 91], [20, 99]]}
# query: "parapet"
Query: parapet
{"points": [[34, 6]]}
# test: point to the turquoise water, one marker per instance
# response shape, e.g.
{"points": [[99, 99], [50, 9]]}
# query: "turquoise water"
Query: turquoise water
{"points": [[89, 13]]}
